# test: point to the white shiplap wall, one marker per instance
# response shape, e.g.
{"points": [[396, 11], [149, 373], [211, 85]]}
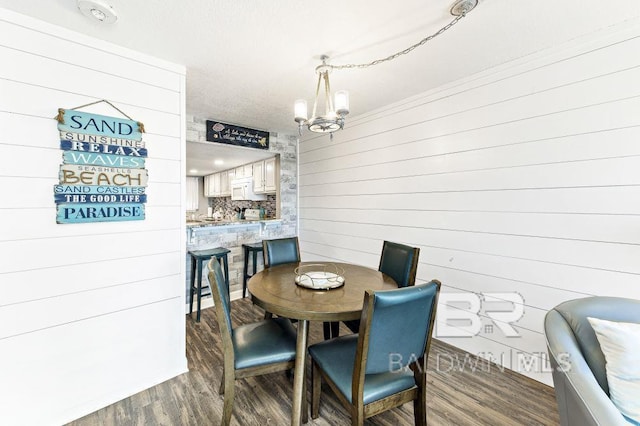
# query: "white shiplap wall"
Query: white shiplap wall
{"points": [[524, 178], [89, 313]]}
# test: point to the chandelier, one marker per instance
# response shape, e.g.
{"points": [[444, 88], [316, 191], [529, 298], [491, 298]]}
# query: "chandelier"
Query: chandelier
{"points": [[335, 109], [334, 112]]}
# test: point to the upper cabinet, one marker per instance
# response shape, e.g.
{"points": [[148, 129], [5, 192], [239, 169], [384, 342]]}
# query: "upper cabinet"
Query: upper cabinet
{"points": [[243, 171], [225, 188], [212, 185], [264, 173], [271, 178], [217, 184], [265, 176], [258, 178]]}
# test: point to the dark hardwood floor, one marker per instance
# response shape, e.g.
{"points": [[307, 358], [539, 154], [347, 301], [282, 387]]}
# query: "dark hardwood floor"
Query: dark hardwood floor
{"points": [[487, 396]]}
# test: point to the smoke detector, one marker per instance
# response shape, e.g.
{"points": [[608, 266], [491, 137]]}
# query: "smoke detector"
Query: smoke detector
{"points": [[98, 10]]}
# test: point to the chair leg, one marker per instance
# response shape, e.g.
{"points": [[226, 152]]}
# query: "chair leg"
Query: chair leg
{"points": [[419, 412], [420, 403], [227, 409], [357, 413], [357, 417], [316, 385], [335, 329], [330, 329], [326, 330]]}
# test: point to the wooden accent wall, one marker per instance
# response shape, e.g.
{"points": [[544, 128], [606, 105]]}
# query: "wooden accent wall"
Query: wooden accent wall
{"points": [[89, 313], [523, 178]]}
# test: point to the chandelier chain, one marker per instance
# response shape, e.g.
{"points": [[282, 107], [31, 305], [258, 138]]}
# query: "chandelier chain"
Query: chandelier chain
{"points": [[405, 51]]}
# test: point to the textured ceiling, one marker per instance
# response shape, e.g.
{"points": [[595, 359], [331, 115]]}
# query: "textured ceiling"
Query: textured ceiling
{"points": [[247, 61]]}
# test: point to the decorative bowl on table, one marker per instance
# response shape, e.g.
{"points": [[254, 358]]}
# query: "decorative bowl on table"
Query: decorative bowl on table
{"points": [[319, 276]]}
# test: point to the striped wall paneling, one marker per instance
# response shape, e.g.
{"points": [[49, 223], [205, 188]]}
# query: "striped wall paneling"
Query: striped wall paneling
{"points": [[522, 180], [85, 309]]}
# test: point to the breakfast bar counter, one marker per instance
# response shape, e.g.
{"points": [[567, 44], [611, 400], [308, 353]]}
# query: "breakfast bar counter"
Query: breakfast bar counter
{"points": [[200, 223]]}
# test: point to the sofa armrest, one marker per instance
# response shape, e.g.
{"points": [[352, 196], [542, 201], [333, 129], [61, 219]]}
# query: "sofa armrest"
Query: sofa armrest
{"points": [[581, 400]]}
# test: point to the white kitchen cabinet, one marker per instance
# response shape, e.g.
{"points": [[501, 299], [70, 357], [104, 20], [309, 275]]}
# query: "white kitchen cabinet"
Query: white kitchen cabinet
{"points": [[265, 176], [207, 182], [193, 195], [243, 171], [270, 178], [258, 177], [225, 189], [216, 185], [208, 186], [212, 185]]}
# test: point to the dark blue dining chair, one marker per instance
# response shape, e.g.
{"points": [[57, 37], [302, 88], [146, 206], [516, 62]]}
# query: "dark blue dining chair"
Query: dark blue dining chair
{"points": [[280, 251], [380, 368], [249, 350], [398, 261]]}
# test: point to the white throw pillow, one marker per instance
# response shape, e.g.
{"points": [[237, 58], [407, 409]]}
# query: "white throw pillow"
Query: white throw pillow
{"points": [[620, 344]]}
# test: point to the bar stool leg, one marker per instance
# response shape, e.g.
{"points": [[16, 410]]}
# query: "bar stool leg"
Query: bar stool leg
{"points": [[226, 275], [199, 289], [245, 270], [192, 283], [255, 261]]}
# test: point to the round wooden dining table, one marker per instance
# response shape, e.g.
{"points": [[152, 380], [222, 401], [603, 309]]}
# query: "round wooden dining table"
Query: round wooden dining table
{"points": [[275, 290]]}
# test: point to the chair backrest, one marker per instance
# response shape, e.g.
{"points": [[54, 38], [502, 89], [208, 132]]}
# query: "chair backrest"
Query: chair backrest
{"points": [[281, 250], [222, 305], [400, 262], [397, 328]]}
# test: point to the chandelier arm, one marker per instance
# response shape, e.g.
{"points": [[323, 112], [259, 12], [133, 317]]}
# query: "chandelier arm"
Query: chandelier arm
{"points": [[327, 88], [315, 103], [402, 52]]}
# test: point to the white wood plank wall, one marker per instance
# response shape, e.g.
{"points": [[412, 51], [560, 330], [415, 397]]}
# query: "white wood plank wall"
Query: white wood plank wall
{"points": [[89, 313], [524, 178]]}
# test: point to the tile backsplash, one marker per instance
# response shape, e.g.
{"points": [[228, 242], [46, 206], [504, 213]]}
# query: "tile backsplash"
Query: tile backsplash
{"points": [[227, 205]]}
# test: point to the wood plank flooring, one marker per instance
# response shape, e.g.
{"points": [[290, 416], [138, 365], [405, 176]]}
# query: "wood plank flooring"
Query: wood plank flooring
{"points": [[487, 396]]}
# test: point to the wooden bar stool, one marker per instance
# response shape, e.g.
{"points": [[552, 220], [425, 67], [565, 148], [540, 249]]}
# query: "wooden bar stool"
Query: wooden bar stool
{"points": [[198, 257], [247, 249]]}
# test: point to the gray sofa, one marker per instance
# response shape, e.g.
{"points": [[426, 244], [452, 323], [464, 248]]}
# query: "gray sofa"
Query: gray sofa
{"points": [[579, 375]]}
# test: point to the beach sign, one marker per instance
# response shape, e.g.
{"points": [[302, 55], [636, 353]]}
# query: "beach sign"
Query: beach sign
{"points": [[102, 177]]}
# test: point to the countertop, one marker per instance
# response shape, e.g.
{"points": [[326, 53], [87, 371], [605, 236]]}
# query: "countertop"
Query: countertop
{"points": [[210, 222]]}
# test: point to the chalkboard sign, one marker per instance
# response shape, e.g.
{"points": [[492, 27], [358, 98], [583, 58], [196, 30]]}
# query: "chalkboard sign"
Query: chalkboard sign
{"points": [[236, 135]]}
